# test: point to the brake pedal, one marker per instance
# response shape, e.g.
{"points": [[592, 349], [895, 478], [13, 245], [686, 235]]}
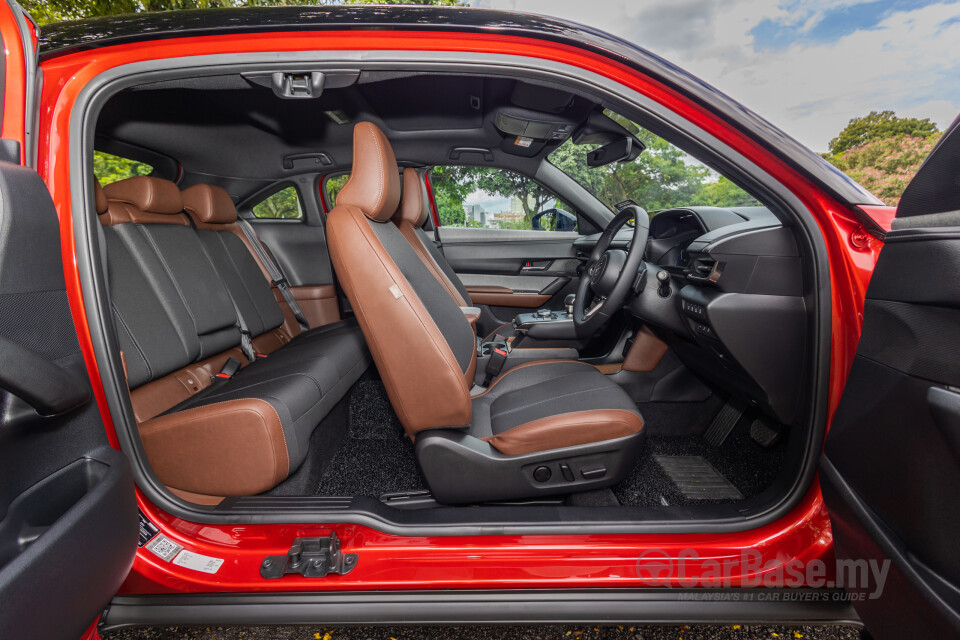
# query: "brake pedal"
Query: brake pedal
{"points": [[763, 433], [723, 423]]}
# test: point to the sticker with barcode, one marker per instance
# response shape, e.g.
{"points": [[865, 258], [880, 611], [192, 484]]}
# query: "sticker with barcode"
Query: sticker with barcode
{"points": [[197, 562], [163, 547]]}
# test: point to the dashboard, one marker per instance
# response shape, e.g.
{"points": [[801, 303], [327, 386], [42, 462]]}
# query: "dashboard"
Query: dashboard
{"points": [[734, 311]]}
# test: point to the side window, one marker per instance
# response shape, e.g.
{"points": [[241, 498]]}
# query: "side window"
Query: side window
{"points": [[280, 205], [332, 186], [110, 168], [489, 198]]}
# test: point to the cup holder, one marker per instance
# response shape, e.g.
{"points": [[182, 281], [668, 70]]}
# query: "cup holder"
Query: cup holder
{"points": [[487, 347]]}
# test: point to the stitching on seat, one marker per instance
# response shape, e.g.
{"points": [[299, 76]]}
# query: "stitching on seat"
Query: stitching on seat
{"points": [[380, 181], [546, 400], [134, 342], [527, 365]]}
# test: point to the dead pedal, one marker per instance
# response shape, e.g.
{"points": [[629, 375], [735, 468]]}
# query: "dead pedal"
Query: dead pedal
{"points": [[763, 433], [696, 478], [723, 423]]}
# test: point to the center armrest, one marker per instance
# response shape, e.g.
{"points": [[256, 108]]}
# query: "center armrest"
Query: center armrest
{"points": [[472, 314]]}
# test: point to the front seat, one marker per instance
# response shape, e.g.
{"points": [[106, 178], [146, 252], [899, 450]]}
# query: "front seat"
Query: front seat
{"points": [[411, 216], [542, 428]]}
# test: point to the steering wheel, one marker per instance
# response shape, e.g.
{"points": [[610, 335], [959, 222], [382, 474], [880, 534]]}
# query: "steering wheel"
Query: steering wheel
{"points": [[609, 273]]}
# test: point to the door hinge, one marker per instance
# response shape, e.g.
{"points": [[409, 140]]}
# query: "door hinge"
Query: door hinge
{"points": [[311, 558]]}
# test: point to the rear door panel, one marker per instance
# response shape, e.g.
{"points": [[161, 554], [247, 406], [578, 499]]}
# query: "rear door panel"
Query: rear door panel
{"points": [[891, 466]]}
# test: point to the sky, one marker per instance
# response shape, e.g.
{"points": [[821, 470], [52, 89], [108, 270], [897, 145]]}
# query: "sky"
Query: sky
{"points": [[808, 66]]}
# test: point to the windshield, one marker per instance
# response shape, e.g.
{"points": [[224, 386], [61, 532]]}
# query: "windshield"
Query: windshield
{"points": [[662, 177]]}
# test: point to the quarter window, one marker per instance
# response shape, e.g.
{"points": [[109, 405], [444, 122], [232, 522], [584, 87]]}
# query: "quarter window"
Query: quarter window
{"points": [[110, 168], [281, 205]]}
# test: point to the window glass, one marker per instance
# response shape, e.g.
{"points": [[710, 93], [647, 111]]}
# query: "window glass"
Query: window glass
{"points": [[332, 186], [281, 205], [110, 168], [489, 198], [661, 177]]}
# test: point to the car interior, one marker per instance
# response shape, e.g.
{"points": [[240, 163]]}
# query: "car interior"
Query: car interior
{"points": [[433, 298]]}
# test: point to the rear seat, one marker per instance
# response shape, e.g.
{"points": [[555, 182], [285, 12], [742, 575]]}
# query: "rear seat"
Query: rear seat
{"points": [[183, 282]]}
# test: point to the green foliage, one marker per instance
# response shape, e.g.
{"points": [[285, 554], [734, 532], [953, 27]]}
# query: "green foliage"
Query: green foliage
{"points": [[284, 204], [880, 125], [886, 166], [332, 188], [109, 168], [47, 11], [662, 177], [452, 185]]}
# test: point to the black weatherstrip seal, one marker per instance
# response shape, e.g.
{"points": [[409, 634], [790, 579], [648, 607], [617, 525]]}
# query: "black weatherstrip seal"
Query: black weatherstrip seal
{"points": [[568, 606]]}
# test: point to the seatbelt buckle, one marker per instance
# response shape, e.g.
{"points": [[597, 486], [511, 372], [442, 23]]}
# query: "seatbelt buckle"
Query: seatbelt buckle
{"points": [[229, 369], [498, 358]]}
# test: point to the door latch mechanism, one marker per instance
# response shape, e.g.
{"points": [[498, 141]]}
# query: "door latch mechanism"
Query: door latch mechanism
{"points": [[311, 558]]}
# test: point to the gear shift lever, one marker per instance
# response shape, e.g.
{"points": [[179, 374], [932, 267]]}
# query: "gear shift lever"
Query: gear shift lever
{"points": [[568, 302]]}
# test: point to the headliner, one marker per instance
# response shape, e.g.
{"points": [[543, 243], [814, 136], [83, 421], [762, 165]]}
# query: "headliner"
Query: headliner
{"points": [[227, 130]]}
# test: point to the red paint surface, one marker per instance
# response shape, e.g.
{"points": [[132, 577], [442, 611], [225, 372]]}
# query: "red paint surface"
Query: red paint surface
{"points": [[393, 562], [14, 76]]}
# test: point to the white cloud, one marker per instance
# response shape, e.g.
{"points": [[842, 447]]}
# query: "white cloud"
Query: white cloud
{"points": [[909, 62]]}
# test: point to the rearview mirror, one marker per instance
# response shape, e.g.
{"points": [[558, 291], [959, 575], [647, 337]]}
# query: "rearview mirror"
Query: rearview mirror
{"points": [[621, 150]]}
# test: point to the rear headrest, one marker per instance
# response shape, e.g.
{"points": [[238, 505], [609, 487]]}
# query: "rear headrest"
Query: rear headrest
{"points": [[414, 207], [374, 184], [153, 195], [99, 197], [209, 204]]}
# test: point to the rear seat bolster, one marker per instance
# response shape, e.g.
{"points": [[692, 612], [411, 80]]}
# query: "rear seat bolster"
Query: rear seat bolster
{"points": [[231, 448]]}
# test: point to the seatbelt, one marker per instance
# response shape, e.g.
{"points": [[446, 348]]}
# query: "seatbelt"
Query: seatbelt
{"points": [[246, 342], [277, 278], [246, 338]]}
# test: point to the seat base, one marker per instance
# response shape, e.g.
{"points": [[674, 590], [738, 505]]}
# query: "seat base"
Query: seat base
{"points": [[460, 468]]}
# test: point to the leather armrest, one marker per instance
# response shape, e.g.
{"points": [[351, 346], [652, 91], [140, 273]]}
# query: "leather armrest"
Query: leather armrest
{"points": [[472, 314]]}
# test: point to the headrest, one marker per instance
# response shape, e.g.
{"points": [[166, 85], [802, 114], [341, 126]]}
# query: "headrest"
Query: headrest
{"points": [[99, 197], [209, 204], [414, 207], [152, 195], [374, 184]]}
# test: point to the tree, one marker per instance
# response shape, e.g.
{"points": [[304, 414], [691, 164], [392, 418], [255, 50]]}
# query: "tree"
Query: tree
{"points": [[885, 167], [880, 125], [47, 11], [109, 168]]}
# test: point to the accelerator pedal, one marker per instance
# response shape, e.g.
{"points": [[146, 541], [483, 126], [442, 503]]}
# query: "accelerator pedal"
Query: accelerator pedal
{"points": [[763, 433], [697, 479], [724, 422]]}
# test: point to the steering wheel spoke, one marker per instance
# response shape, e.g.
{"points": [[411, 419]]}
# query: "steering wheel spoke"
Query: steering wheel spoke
{"points": [[609, 273]]}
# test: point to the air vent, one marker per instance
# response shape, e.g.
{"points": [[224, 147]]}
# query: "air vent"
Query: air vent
{"points": [[703, 266], [706, 269]]}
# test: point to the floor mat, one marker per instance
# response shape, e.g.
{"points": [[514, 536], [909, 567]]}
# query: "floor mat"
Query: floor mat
{"points": [[744, 463], [697, 479], [376, 457]]}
